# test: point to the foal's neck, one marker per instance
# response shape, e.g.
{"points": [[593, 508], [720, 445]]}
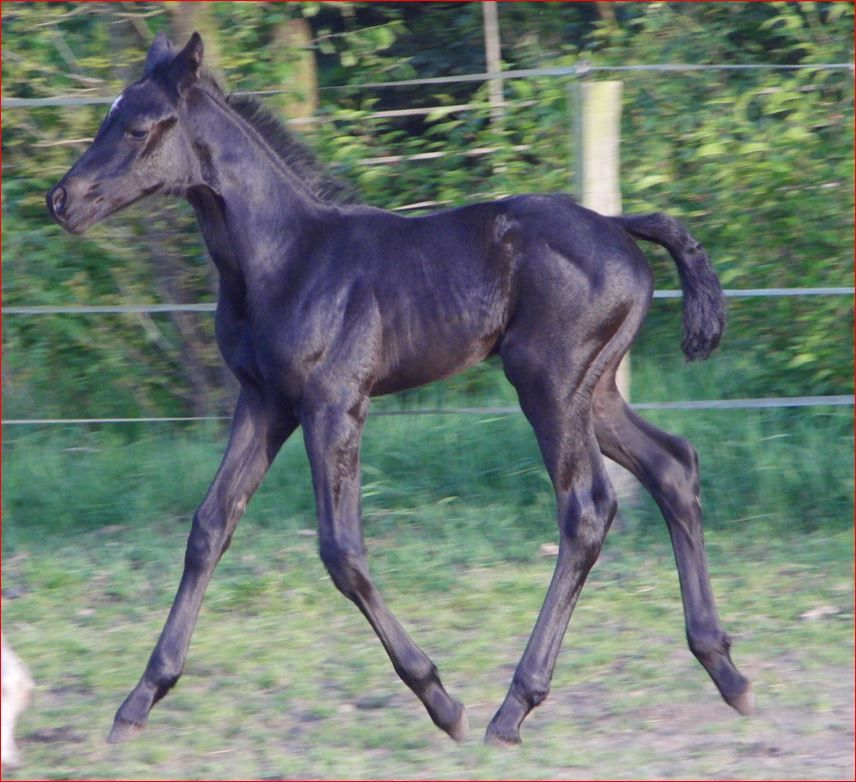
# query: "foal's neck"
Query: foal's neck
{"points": [[255, 207]]}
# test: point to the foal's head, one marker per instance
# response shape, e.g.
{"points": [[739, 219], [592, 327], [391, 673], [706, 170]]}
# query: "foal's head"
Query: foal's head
{"points": [[143, 145]]}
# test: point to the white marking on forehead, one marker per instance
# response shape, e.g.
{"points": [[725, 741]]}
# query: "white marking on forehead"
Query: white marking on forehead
{"points": [[115, 105]]}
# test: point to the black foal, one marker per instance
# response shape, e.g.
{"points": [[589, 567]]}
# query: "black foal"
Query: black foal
{"points": [[324, 303]]}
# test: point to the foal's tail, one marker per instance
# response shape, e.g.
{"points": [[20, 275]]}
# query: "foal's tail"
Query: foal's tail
{"points": [[704, 301]]}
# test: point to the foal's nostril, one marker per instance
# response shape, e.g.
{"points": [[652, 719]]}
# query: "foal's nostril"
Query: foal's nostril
{"points": [[58, 198]]}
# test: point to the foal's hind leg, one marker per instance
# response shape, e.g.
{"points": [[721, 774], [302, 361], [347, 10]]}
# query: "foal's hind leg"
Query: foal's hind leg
{"points": [[668, 467], [555, 394], [259, 428], [332, 431]]}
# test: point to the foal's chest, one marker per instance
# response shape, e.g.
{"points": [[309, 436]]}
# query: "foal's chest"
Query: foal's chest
{"points": [[278, 346]]}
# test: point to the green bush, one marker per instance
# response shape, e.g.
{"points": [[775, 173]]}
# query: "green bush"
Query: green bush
{"points": [[759, 164]]}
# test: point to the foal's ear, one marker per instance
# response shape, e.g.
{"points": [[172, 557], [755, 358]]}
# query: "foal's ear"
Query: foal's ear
{"points": [[187, 64], [160, 53]]}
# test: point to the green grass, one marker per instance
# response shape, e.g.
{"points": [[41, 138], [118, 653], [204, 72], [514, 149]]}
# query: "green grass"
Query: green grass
{"points": [[474, 486], [286, 679]]}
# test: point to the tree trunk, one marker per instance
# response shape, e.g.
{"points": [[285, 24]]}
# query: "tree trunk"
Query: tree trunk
{"points": [[187, 18]]}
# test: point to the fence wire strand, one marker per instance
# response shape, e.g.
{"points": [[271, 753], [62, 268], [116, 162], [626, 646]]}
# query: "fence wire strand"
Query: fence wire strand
{"points": [[149, 309], [580, 70], [763, 403]]}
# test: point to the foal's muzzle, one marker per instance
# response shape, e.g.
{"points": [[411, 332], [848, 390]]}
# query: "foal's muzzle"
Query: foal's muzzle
{"points": [[56, 199], [73, 203]]}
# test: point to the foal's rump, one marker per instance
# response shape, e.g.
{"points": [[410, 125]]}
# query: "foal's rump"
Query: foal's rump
{"points": [[578, 278], [590, 255], [609, 269]]}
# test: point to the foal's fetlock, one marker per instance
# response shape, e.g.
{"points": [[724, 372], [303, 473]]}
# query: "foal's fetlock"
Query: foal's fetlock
{"points": [[530, 690], [708, 647]]}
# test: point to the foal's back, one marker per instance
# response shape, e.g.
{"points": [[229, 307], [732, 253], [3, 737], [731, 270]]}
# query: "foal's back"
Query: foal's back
{"points": [[444, 288]]}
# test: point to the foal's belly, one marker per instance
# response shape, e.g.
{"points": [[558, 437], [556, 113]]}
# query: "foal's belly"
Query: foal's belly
{"points": [[416, 353]]}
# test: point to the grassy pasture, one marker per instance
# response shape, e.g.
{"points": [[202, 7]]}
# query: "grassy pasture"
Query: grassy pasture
{"points": [[286, 679]]}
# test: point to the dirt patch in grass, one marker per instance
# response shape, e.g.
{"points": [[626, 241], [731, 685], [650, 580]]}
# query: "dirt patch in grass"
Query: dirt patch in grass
{"points": [[704, 738]]}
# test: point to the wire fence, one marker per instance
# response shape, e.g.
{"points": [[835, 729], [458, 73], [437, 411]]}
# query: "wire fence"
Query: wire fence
{"points": [[150, 309], [836, 400], [760, 403], [579, 71]]}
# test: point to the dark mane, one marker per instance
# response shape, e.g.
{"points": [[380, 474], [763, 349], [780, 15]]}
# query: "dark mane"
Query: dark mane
{"points": [[293, 152], [296, 155]]}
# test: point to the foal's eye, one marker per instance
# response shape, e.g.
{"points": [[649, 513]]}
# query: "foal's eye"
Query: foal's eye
{"points": [[138, 134]]}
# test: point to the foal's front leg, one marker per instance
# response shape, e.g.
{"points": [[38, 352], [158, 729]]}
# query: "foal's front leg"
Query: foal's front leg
{"points": [[259, 428], [332, 432]]}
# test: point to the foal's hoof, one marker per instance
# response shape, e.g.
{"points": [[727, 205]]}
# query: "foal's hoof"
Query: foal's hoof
{"points": [[123, 730], [493, 737], [461, 726], [744, 702]]}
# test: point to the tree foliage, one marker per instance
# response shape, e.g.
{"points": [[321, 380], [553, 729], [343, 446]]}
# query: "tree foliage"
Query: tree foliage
{"points": [[758, 162]]}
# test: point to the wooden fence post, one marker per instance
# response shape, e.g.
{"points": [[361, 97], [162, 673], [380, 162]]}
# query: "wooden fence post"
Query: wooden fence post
{"points": [[598, 124], [493, 59]]}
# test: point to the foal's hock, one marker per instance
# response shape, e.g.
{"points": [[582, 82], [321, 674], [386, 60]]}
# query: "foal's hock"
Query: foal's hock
{"points": [[325, 302]]}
